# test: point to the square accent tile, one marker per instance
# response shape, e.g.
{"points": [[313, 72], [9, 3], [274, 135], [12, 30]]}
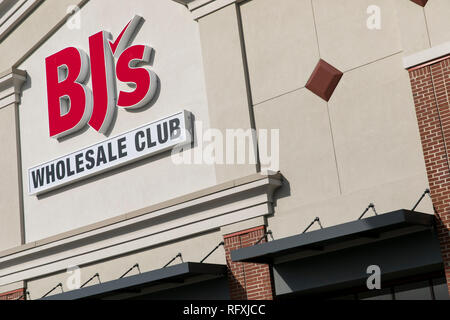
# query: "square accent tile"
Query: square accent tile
{"points": [[324, 80], [421, 3]]}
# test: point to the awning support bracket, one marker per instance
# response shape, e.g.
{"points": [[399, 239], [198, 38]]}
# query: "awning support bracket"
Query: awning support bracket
{"points": [[371, 206], [179, 255]]}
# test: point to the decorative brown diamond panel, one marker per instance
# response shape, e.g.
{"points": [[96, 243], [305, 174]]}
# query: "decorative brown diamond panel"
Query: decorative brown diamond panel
{"points": [[420, 2], [324, 80]]}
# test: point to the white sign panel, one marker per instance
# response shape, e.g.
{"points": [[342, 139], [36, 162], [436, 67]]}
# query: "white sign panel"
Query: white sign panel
{"points": [[148, 140]]}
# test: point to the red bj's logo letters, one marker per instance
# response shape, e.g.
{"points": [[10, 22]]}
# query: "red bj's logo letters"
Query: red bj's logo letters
{"points": [[71, 104]]}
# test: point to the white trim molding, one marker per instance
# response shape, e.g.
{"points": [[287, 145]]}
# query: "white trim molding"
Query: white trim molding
{"points": [[201, 8], [203, 212], [184, 2], [427, 55], [16, 12], [11, 82]]}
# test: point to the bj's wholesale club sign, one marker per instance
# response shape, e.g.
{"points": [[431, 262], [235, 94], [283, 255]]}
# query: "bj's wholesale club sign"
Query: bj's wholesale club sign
{"points": [[137, 144], [73, 105]]}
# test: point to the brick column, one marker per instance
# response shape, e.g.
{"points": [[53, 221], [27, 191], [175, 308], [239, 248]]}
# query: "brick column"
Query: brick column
{"points": [[247, 281], [431, 90], [13, 295]]}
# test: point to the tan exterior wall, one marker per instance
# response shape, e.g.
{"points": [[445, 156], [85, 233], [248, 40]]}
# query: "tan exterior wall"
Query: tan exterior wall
{"points": [[438, 24], [33, 30], [178, 64], [360, 147], [414, 36], [226, 80], [249, 64], [11, 224]]}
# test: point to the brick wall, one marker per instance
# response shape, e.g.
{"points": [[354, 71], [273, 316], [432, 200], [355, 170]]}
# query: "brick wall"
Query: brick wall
{"points": [[13, 295], [247, 281], [430, 84]]}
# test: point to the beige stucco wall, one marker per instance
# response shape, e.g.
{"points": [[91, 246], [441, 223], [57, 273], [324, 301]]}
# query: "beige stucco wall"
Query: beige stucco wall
{"points": [[226, 84], [32, 30], [178, 64], [438, 23], [11, 231], [281, 51], [16, 46], [280, 59], [414, 36], [363, 145]]}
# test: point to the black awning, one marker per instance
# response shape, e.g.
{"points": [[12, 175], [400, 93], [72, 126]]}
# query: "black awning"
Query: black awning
{"points": [[372, 227], [173, 274]]}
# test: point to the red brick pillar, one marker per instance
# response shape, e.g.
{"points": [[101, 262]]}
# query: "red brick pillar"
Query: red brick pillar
{"points": [[13, 295], [247, 281], [431, 90]]}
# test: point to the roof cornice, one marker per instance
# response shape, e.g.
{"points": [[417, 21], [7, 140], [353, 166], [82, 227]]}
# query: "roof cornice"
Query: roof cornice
{"points": [[11, 82]]}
